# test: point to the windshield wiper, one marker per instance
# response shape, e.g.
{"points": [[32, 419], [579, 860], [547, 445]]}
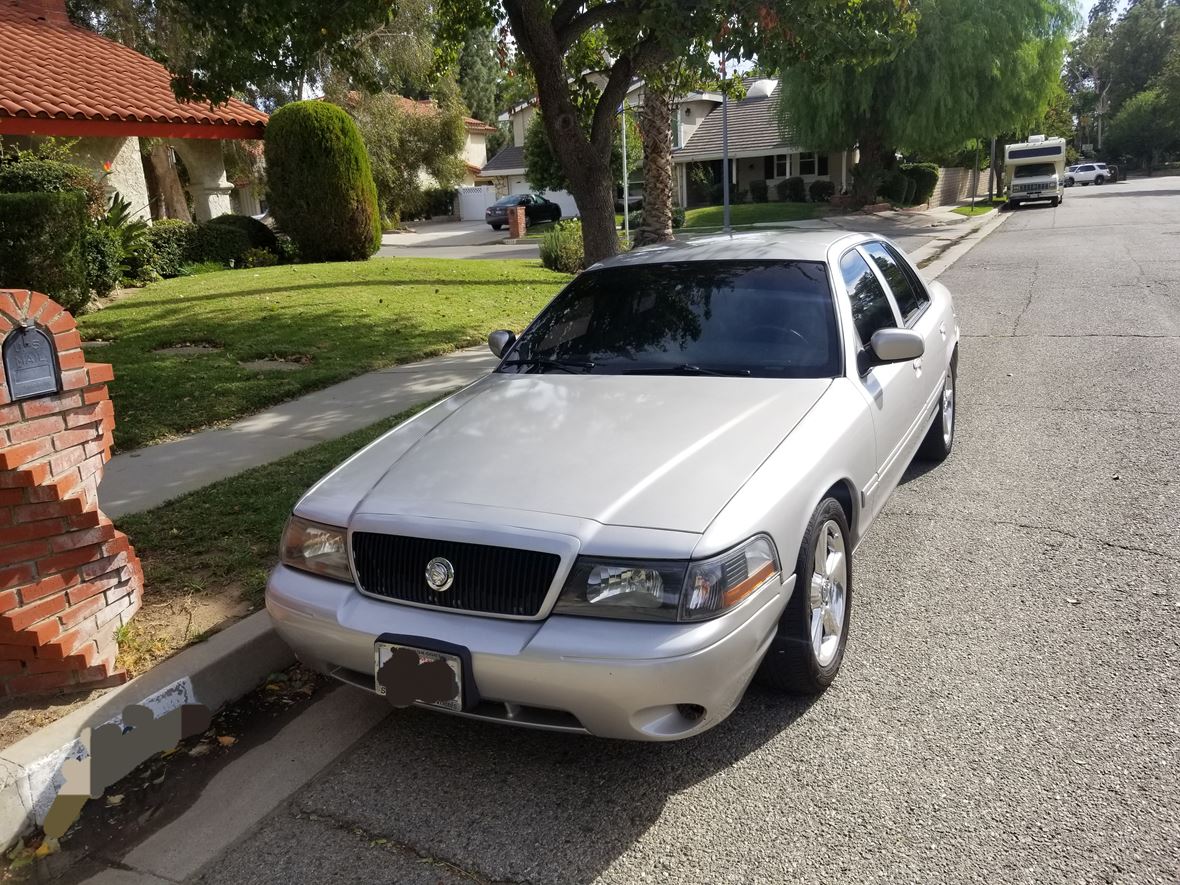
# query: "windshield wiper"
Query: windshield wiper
{"points": [[543, 363], [687, 369]]}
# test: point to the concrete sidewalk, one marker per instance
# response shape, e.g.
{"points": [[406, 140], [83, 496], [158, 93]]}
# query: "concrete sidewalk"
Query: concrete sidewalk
{"points": [[148, 477]]}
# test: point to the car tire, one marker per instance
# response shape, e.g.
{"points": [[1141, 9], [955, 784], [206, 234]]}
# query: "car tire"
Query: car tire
{"points": [[556, 216], [1055, 202], [940, 438], [1099, 180], [1069, 182], [497, 226], [805, 655]]}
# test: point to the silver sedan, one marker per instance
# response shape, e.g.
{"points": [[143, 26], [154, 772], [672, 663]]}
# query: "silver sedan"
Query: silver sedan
{"points": [[653, 500]]}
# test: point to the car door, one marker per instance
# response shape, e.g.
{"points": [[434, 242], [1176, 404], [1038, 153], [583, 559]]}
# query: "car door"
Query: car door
{"points": [[893, 390], [913, 306], [533, 208]]}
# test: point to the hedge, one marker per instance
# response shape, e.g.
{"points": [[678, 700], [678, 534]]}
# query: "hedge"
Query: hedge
{"points": [[821, 190], [758, 191], [103, 249], [258, 234], [223, 243], [893, 186], [42, 245], [925, 176], [791, 189], [171, 244], [24, 172], [320, 185]]}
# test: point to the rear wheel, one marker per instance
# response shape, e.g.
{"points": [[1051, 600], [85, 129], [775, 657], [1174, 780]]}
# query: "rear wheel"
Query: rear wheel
{"points": [[806, 653], [940, 438]]}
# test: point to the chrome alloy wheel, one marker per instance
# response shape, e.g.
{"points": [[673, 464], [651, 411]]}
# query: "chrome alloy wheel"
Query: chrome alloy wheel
{"points": [[828, 595], [948, 408]]}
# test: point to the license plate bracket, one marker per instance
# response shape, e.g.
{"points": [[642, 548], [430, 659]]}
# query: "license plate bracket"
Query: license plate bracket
{"points": [[419, 670]]}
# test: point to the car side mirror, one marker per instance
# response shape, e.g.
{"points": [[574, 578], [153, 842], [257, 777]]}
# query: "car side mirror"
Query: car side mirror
{"points": [[897, 345], [500, 340]]}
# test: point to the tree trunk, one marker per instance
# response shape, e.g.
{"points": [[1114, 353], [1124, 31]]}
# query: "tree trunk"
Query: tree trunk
{"points": [[875, 158], [167, 197], [584, 157], [655, 127]]}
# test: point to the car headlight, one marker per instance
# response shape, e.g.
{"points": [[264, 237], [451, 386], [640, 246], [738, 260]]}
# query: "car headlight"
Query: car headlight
{"points": [[667, 590], [312, 547]]}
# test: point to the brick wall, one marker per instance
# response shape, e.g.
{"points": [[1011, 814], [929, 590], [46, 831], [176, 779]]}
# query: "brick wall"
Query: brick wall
{"points": [[955, 185], [68, 578]]}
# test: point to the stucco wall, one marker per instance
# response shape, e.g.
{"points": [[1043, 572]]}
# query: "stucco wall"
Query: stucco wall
{"points": [[475, 149], [126, 174]]}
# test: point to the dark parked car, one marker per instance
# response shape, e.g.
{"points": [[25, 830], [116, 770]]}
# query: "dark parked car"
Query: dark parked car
{"points": [[536, 208]]}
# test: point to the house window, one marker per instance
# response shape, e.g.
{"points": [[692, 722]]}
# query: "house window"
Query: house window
{"points": [[811, 163], [782, 166]]}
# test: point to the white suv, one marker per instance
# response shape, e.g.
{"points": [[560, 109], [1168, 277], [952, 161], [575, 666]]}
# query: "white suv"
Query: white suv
{"points": [[1087, 173]]}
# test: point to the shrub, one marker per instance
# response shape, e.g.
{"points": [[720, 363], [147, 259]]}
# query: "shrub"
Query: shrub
{"points": [[104, 258], [439, 201], [910, 187], [925, 176], [561, 248], [893, 186], [320, 185], [42, 245], [257, 234], [259, 258], [791, 189], [223, 243], [26, 172], [821, 190], [171, 244], [716, 194], [758, 191], [130, 233]]}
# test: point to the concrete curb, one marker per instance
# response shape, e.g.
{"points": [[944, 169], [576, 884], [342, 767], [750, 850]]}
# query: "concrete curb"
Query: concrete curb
{"points": [[222, 669], [944, 256]]}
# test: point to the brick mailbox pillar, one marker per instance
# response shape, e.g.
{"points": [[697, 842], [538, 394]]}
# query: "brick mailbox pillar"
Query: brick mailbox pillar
{"points": [[68, 578], [516, 222]]}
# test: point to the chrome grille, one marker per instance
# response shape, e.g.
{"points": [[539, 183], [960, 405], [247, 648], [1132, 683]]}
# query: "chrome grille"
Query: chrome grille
{"points": [[492, 580]]}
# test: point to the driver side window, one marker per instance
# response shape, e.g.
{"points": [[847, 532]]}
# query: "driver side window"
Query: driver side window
{"points": [[871, 309]]}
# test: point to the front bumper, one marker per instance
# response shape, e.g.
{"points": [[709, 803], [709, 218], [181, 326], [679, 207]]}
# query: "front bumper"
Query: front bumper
{"points": [[615, 679]]}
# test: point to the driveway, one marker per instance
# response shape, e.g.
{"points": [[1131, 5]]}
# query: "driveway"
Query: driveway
{"points": [[453, 239], [1007, 712]]}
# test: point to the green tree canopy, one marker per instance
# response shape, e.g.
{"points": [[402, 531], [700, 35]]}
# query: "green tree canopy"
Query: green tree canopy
{"points": [[1142, 129], [972, 69], [479, 74], [544, 168], [406, 140]]}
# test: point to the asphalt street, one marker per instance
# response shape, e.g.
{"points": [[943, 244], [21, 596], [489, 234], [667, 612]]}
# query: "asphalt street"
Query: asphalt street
{"points": [[1008, 709]]}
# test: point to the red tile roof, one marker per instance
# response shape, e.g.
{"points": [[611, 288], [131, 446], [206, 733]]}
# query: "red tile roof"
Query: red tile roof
{"points": [[425, 106], [59, 79]]}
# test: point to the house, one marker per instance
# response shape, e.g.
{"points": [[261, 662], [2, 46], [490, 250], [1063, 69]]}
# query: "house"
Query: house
{"points": [[57, 79], [757, 148]]}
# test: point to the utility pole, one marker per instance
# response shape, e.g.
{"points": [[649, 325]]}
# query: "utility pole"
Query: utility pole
{"points": [[975, 177], [626, 183], [725, 160], [991, 173]]}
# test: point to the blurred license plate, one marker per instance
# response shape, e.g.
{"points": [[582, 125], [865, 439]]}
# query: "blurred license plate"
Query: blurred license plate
{"points": [[423, 684]]}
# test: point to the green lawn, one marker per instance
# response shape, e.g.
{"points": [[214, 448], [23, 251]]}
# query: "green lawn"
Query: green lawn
{"points": [[982, 207], [221, 539], [751, 213], [329, 321]]}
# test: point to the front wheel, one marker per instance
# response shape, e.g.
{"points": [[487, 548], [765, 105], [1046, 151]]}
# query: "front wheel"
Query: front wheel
{"points": [[1099, 180], [497, 226], [1069, 182], [940, 439], [806, 653], [1055, 202]]}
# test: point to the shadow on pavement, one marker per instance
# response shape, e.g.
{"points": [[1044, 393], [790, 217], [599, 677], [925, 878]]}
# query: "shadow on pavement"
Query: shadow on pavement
{"points": [[525, 805]]}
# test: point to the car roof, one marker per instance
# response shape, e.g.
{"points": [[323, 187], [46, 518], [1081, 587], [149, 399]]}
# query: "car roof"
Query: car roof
{"points": [[779, 245]]}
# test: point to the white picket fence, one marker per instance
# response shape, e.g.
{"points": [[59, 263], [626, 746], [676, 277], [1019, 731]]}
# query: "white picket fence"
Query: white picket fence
{"points": [[474, 200]]}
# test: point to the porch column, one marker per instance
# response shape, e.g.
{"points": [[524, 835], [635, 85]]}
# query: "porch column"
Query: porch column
{"points": [[206, 174]]}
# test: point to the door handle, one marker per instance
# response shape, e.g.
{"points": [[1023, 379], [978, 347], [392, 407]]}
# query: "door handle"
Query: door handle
{"points": [[918, 364], [942, 330]]}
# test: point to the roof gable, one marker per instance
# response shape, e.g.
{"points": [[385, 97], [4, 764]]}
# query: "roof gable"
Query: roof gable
{"points": [[60, 79], [753, 127]]}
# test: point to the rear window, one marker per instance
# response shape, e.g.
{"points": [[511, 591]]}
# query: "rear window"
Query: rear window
{"points": [[508, 201]]}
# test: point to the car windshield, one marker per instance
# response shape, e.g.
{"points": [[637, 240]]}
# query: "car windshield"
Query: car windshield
{"points": [[770, 319], [1034, 169]]}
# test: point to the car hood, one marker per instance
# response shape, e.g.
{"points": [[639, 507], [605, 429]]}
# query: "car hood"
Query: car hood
{"points": [[657, 452]]}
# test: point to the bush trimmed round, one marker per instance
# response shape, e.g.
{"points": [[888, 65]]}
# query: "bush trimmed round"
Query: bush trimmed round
{"points": [[925, 175], [320, 185], [223, 243], [821, 190], [561, 247], [171, 242], [259, 235]]}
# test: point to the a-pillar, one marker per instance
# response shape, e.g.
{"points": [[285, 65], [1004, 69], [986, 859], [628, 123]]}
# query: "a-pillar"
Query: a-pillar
{"points": [[206, 175]]}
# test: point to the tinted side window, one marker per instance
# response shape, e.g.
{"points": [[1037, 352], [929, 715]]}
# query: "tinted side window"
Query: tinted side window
{"points": [[899, 282], [870, 305]]}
